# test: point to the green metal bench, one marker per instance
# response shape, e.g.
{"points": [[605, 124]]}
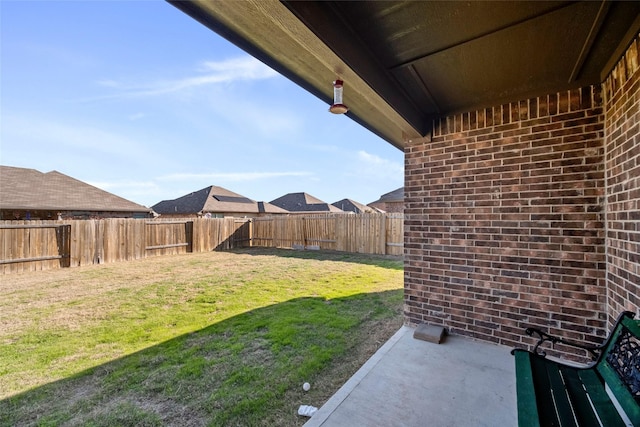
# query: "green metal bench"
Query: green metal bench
{"points": [[604, 393]]}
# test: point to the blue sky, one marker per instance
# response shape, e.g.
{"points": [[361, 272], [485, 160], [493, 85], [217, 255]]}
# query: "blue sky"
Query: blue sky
{"points": [[139, 99]]}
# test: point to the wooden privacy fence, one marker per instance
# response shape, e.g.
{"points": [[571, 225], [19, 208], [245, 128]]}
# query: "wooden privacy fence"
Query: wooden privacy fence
{"points": [[49, 245], [43, 245], [364, 233]]}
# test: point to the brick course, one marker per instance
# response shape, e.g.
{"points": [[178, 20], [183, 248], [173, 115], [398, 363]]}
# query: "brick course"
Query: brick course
{"points": [[506, 225]]}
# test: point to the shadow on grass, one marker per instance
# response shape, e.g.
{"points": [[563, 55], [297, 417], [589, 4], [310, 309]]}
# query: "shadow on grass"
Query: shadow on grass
{"points": [[244, 371], [393, 262]]}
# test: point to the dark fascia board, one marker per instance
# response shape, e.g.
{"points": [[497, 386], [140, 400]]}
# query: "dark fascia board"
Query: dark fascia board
{"points": [[630, 35], [256, 25], [329, 25]]}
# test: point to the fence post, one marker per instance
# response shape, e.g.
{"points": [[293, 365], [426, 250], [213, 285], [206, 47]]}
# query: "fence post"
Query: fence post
{"points": [[188, 231], [383, 234], [304, 232], [65, 250]]}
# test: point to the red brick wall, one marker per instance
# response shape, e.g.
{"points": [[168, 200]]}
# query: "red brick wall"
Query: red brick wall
{"points": [[622, 154], [504, 220], [529, 214]]}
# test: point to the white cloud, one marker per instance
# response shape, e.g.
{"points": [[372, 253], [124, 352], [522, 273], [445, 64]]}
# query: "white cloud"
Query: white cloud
{"points": [[109, 83], [231, 176], [136, 116], [139, 186], [248, 112], [378, 164], [143, 192], [268, 121], [53, 134], [212, 72], [244, 68]]}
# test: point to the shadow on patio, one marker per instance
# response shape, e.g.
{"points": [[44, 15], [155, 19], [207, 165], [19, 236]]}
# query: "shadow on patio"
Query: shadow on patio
{"points": [[409, 382]]}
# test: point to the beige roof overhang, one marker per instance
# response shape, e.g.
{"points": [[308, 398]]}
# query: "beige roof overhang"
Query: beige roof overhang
{"points": [[272, 34]]}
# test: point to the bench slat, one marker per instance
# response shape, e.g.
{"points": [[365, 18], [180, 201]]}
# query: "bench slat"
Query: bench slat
{"points": [[527, 408], [600, 399], [543, 396], [579, 399], [561, 402]]}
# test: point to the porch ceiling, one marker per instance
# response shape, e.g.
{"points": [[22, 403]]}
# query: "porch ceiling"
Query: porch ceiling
{"points": [[405, 62]]}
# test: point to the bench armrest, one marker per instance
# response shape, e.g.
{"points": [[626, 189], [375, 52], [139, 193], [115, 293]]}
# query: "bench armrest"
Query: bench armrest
{"points": [[594, 350]]}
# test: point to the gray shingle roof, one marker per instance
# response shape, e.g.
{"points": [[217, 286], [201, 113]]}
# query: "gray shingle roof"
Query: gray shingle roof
{"points": [[303, 202], [349, 205], [29, 189], [214, 199], [266, 207], [396, 195]]}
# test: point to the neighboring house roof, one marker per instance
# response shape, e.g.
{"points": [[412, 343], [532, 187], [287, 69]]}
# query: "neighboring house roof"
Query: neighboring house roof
{"points": [[29, 189], [266, 207], [303, 202], [392, 196], [377, 210], [214, 199], [349, 205]]}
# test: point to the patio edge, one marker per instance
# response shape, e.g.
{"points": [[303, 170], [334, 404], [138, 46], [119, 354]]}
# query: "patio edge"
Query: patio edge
{"points": [[343, 392]]}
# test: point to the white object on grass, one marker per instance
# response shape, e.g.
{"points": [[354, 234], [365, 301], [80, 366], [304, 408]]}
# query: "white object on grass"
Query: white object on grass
{"points": [[307, 410], [306, 386]]}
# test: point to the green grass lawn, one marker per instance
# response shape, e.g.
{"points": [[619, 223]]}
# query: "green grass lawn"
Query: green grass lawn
{"points": [[213, 339]]}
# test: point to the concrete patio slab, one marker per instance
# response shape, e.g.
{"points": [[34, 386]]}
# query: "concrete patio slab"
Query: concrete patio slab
{"points": [[411, 382]]}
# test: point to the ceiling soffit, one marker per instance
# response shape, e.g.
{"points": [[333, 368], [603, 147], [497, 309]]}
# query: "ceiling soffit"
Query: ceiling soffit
{"points": [[430, 58]]}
